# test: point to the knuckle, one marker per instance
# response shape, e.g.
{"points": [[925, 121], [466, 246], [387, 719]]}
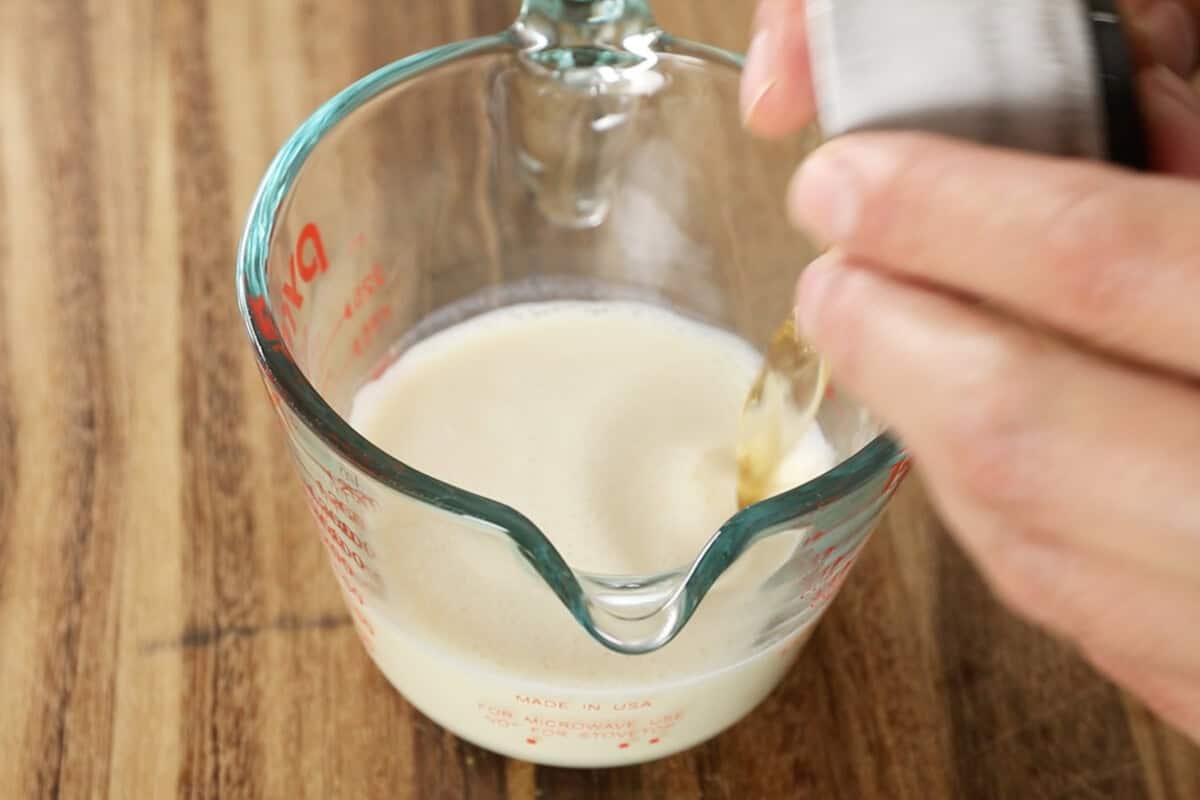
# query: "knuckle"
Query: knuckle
{"points": [[1087, 248], [841, 310], [991, 432], [915, 163]]}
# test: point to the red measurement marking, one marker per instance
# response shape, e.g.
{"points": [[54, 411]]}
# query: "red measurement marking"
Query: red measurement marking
{"points": [[326, 497], [262, 320], [655, 740], [829, 569], [817, 536], [835, 578], [531, 741], [844, 571], [345, 548], [370, 329], [331, 547], [352, 493], [343, 534], [623, 745], [896, 474], [363, 291], [362, 620], [350, 588], [367, 333], [357, 299], [307, 261]]}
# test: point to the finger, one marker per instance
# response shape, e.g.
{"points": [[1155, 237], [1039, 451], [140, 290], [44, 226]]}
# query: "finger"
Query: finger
{"points": [[1097, 252], [776, 89], [1164, 32], [1172, 113], [1050, 442]]}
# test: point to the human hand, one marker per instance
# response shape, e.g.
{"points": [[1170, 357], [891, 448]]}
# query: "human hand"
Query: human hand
{"points": [[1026, 326]]}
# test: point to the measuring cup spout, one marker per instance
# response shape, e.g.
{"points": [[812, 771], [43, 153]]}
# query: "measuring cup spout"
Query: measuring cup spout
{"points": [[635, 615]]}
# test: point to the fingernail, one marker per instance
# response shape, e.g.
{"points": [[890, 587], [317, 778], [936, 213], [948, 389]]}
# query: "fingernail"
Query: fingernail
{"points": [[1169, 30], [755, 101], [1164, 86], [757, 77], [824, 196], [812, 292]]}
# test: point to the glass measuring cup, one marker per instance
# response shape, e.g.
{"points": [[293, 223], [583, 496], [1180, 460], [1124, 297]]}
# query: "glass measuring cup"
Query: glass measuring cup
{"points": [[581, 154]]}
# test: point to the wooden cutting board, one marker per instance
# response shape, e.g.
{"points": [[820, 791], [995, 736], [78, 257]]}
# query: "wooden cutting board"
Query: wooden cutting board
{"points": [[168, 625]]}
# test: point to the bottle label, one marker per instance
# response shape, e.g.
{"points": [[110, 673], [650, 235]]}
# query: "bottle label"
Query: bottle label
{"points": [[1019, 73]]}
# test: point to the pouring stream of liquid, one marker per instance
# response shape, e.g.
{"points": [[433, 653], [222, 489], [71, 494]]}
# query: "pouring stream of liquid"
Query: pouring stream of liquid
{"points": [[781, 406]]}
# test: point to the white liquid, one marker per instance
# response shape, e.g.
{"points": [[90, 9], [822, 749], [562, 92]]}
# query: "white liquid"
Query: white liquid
{"points": [[610, 425]]}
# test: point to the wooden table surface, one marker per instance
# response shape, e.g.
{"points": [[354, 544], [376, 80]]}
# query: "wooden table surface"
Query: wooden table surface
{"points": [[168, 625]]}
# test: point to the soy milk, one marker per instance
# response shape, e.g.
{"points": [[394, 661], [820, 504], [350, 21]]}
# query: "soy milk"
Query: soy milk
{"points": [[611, 425]]}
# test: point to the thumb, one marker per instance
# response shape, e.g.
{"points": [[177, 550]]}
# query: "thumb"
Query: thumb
{"points": [[1172, 114]]}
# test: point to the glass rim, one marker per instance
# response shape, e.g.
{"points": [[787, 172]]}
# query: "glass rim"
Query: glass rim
{"points": [[294, 389]]}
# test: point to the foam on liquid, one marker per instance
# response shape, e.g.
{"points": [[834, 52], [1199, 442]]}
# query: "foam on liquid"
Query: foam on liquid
{"points": [[611, 425]]}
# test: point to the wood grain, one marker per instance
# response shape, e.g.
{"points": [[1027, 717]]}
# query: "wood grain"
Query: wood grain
{"points": [[169, 625]]}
